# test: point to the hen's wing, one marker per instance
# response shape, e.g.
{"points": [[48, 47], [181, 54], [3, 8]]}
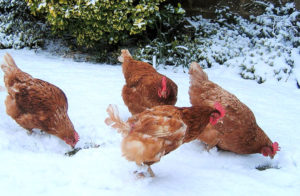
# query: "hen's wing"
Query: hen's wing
{"points": [[160, 122], [36, 96], [134, 99], [154, 133]]}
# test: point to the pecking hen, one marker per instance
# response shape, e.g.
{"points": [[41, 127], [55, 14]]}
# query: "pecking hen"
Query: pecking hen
{"points": [[238, 131], [155, 132], [34, 103]]}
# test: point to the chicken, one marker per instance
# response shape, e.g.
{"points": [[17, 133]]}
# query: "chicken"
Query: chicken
{"points": [[34, 103], [155, 132], [238, 132], [145, 87]]}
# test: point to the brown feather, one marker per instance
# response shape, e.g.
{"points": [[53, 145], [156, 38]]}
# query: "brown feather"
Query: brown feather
{"points": [[115, 121]]}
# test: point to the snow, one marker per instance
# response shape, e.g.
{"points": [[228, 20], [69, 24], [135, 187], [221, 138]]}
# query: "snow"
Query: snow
{"points": [[296, 57], [37, 164]]}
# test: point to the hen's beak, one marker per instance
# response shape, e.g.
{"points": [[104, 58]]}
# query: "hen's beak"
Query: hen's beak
{"points": [[271, 156]]}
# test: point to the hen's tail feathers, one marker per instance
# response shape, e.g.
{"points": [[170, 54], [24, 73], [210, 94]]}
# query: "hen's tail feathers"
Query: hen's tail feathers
{"points": [[114, 120], [9, 64], [196, 72], [124, 54]]}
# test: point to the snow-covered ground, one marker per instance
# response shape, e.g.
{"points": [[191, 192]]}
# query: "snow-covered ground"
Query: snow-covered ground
{"points": [[37, 164]]}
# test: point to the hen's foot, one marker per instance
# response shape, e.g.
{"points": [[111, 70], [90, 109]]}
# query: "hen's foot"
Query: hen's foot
{"points": [[143, 173], [29, 132]]}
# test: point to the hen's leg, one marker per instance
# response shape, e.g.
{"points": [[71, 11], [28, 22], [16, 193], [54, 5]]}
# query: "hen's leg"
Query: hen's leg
{"points": [[150, 171], [29, 131], [142, 171]]}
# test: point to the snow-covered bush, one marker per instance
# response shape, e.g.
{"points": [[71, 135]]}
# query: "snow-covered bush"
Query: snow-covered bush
{"points": [[169, 26], [98, 21], [18, 28], [273, 37], [260, 48]]}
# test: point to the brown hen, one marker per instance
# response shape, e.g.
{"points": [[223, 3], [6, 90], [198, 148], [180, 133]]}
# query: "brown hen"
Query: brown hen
{"points": [[155, 132], [145, 87], [238, 131], [34, 103]]}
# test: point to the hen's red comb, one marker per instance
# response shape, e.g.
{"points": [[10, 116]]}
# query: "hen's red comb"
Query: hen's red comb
{"points": [[164, 83], [275, 147], [220, 108]]}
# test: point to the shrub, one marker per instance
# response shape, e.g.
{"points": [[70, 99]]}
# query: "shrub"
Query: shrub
{"points": [[261, 48], [94, 21]]}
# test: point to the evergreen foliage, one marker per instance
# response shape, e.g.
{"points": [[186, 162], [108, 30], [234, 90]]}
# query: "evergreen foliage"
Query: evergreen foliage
{"points": [[98, 21]]}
